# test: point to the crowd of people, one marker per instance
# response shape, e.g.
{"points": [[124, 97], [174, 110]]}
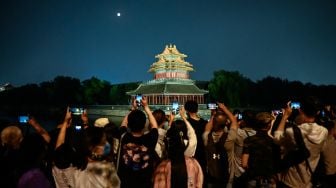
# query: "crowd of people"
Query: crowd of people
{"points": [[290, 148]]}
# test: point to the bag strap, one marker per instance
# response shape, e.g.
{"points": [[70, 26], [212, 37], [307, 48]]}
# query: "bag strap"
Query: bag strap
{"points": [[247, 133], [119, 150], [299, 141]]}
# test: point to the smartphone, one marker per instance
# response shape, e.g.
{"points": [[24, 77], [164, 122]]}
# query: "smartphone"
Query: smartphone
{"points": [[77, 111], [212, 106], [295, 105], [23, 119], [240, 116], [138, 99], [78, 127], [175, 107], [276, 112], [322, 113]]}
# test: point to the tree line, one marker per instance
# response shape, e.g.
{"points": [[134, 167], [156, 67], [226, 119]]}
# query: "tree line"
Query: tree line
{"points": [[229, 87]]}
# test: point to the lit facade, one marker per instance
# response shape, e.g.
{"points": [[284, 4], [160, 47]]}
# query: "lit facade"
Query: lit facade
{"points": [[171, 80]]}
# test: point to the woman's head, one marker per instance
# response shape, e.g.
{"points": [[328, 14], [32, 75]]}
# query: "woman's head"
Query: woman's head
{"points": [[177, 142], [177, 139], [159, 116], [11, 136], [97, 144]]}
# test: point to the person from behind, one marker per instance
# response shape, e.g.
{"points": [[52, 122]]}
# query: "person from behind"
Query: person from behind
{"points": [[85, 165], [161, 119], [136, 154], [179, 170], [198, 123], [328, 156], [234, 147], [314, 137], [11, 138], [258, 154], [112, 134], [32, 162]]}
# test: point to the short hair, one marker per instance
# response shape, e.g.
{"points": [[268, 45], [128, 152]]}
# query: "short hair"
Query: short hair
{"points": [[136, 121], [191, 106], [263, 120], [310, 106], [11, 136], [160, 116], [220, 119], [249, 118]]}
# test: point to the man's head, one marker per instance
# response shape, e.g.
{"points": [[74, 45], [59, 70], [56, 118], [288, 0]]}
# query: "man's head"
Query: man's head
{"points": [[248, 118], [191, 106], [263, 121], [220, 120], [136, 121], [309, 108]]}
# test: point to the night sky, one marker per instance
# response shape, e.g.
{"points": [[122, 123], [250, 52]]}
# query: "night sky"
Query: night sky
{"points": [[290, 39]]}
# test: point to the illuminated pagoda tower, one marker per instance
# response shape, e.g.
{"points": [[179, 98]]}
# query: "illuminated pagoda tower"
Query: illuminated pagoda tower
{"points": [[171, 80]]}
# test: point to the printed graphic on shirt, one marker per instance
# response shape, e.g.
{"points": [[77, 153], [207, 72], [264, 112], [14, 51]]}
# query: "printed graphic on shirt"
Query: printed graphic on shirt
{"points": [[136, 156]]}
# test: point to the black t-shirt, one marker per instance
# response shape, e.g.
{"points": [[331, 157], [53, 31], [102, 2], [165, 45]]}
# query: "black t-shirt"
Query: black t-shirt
{"points": [[260, 148], [199, 127], [137, 159]]}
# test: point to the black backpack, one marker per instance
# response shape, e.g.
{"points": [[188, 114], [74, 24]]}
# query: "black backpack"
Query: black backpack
{"points": [[217, 159], [296, 156]]}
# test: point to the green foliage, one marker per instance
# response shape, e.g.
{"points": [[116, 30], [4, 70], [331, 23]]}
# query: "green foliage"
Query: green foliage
{"points": [[229, 87], [95, 91]]}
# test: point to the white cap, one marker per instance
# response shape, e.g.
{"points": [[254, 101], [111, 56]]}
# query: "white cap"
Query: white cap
{"points": [[101, 122]]}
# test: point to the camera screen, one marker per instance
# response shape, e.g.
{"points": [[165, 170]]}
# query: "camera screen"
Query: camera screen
{"points": [[212, 106], [138, 99], [240, 116], [23, 119], [175, 107], [276, 112], [295, 105], [76, 111], [78, 127]]}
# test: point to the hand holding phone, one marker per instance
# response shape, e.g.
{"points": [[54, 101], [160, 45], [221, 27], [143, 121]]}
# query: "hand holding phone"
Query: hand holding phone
{"points": [[24, 119], [175, 108], [295, 105], [77, 111], [138, 99], [212, 106]]}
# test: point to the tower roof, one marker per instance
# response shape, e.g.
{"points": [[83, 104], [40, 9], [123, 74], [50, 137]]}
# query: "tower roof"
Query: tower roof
{"points": [[170, 59]]}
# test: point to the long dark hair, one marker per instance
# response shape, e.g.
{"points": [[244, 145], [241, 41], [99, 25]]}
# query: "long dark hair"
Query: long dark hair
{"points": [[176, 142]]}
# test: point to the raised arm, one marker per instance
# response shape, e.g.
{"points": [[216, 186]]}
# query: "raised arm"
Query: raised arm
{"points": [[64, 126], [208, 128], [134, 106], [39, 129], [85, 119], [279, 133], [232, 118], [151, 118], [190, 150]]}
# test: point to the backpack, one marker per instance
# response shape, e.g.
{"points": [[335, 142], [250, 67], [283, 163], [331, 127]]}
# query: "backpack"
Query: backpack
{"points": [[217, 159], [296, 156]]}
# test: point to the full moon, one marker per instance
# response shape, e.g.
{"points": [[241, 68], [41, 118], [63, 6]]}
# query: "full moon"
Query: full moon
{"points": [[118, 14]]}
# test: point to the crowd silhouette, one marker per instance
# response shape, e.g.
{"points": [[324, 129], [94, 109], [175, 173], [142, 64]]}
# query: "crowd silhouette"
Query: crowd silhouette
{"points": [[293, 147]]}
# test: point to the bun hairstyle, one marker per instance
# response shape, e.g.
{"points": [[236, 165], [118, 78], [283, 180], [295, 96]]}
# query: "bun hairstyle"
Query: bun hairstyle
{"points": [[177, 142], [177, 139]]}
